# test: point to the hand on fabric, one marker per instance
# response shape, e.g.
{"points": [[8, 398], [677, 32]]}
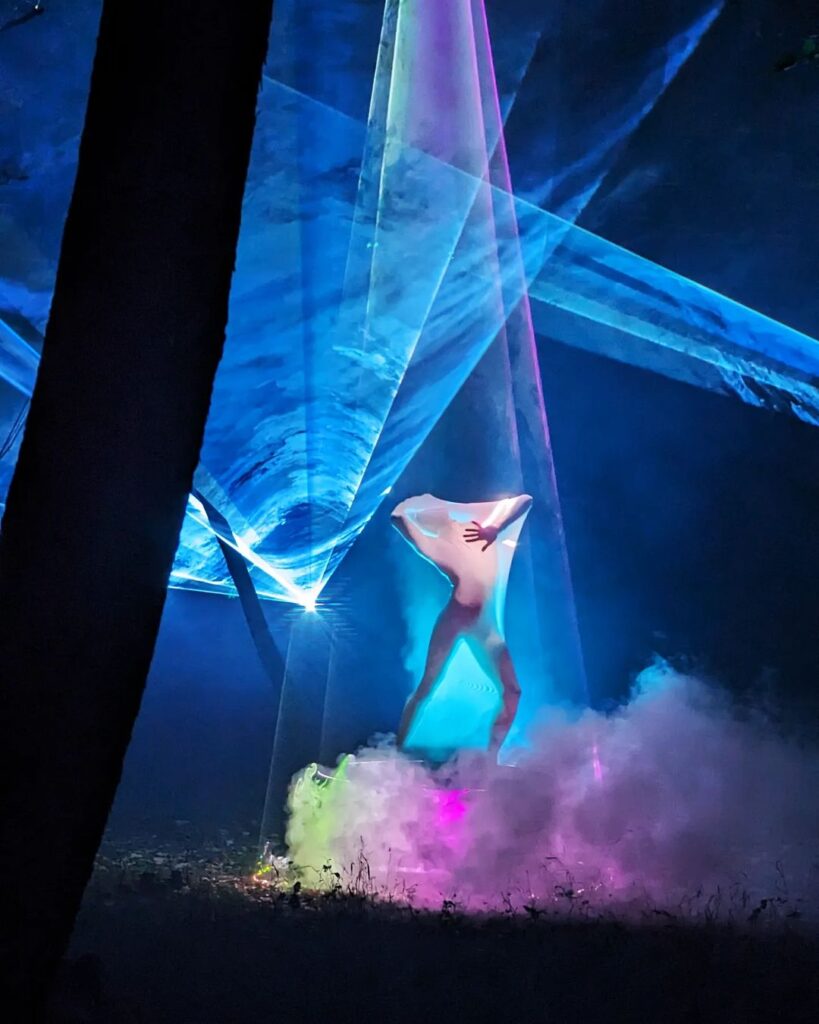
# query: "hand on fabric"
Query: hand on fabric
{"points": [[477, 533]]}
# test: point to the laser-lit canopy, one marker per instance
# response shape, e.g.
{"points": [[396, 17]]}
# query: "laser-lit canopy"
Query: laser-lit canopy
{"points": [[376, 263]]}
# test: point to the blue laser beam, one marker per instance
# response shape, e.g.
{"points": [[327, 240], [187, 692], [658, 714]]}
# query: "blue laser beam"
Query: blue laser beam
{"points": [[335, 372]]}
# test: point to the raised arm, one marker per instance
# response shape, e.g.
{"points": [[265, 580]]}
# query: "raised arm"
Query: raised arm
{"points": [[510, 513], [404, 519]]}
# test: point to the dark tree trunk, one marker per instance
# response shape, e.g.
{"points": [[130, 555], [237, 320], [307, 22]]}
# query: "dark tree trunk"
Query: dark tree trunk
{"points": [[269, 656], [113, 436]]}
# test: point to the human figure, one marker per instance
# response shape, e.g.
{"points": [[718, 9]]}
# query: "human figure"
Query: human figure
{"points": [[472, 545]]}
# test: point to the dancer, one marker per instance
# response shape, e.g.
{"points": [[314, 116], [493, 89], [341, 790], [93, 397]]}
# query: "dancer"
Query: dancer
{"points": [[473, 546]]}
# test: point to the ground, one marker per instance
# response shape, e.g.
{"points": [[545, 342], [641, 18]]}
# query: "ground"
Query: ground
{"points": [[168, 936]]}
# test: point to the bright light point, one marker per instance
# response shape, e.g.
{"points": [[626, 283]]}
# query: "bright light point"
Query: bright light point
{"points": [[386, 491], [309, 599]]}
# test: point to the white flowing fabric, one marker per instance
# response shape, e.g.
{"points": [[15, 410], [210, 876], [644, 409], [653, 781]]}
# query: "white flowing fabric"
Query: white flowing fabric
{"points": [[436, 528]]}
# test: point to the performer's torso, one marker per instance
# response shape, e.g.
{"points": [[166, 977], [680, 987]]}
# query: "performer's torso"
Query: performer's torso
{"points": [[479, 576]]}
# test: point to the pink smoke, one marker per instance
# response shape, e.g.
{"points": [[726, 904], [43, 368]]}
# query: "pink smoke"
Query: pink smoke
{"points": [[677, 803]]}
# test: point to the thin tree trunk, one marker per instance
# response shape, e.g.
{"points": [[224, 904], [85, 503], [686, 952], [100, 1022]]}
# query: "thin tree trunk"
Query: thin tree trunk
{"points": [[113, 437], [269, 656]]}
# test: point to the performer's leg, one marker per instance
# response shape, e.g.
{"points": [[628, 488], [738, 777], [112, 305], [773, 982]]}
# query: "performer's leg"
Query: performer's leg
{"points": [[451, 623], [498, 663]]}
